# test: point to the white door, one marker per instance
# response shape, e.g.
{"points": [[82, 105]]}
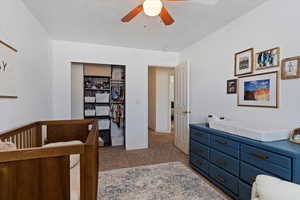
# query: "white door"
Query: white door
{"points": [[182, 108]]}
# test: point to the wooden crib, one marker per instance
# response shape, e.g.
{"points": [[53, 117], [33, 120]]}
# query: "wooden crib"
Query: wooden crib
{"points": [[33, 172]]}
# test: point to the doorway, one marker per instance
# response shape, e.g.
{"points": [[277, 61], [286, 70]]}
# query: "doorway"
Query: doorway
{"points": [[161, 101], [168, 103]]}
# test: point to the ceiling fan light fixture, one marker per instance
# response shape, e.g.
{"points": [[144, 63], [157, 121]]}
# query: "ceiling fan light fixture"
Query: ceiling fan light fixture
{"points": [[152, 7]]}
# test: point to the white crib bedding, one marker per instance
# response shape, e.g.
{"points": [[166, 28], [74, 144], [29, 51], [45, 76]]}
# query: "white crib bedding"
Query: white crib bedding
{"points": [[75, 182]]}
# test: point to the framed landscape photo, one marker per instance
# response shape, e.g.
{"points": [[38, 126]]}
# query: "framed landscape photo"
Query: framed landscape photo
{"points": [[243, 62], [268, 59], [259, 90], [290, 68], [232, 86]]}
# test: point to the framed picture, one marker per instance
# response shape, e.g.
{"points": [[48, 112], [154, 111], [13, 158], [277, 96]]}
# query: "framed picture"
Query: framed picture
{"points": [[7, 71], [295, 136], [232, 86], [259, 90], [290, 68], [244, 62], [267, 59]]}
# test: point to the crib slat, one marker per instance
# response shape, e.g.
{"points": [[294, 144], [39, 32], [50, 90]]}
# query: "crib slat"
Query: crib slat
{"points": [[14, 139], [30, 138], [27, 137], [18, 141], [23, 143]]}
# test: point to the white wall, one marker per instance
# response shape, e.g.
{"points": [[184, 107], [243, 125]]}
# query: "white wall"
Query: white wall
{"points": [[77, 91], [270, 25], [33, 77], [163, 105], [136, 61]]}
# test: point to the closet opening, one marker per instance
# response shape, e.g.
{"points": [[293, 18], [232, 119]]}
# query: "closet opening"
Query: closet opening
{"points": [[98, 92]]}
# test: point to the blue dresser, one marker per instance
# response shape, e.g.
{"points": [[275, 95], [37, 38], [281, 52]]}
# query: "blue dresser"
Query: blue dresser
{"points": [[232, 162]]}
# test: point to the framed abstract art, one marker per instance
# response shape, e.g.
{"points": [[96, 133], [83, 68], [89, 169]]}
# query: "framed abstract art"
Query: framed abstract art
{"points": [[260, 90], [244, 62], [268, 59]]}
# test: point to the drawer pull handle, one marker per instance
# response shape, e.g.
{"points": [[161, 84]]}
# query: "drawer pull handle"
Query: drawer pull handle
{"points": [[221, 179], [259, 155], [252, 179], [200, 150], [221, 142], [199, 134], [221, 162]]}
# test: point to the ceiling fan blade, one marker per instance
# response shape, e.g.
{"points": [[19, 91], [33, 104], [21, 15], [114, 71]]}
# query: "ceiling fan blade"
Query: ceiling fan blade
{"points": [[132, 14], [166, 17], [206, 2]]}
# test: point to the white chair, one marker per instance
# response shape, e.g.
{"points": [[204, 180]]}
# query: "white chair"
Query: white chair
{"points": [[270, 188]]}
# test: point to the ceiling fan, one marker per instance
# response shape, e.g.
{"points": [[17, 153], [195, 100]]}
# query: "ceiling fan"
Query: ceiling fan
{"points": [[155, 7]]}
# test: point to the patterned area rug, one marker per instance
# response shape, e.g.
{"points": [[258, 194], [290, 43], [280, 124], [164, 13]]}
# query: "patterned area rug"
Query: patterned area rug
{"points": [[169, 181]]}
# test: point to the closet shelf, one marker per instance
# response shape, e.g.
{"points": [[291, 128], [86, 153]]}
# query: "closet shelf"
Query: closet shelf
{"points": [[123, 81], [91, 89], [97, 103]]}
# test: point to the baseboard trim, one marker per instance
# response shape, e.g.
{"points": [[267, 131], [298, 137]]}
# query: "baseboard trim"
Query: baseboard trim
{"points": [[136, 147]]}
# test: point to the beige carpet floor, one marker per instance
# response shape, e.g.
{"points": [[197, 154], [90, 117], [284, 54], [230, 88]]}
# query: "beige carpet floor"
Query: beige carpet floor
{"points": [[161, 150]]}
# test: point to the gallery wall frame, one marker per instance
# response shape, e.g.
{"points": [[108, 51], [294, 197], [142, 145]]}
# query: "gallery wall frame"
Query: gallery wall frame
{"points": [[7, 71], [267, 59], [290, 68], [244, 62], [266, 97], [295, 136], [232, 86]]}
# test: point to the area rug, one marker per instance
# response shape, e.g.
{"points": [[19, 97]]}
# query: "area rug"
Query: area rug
{"points": [[168, 181]]}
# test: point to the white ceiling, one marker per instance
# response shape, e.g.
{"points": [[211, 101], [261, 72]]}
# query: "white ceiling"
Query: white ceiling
{"points": [[98, 21]]}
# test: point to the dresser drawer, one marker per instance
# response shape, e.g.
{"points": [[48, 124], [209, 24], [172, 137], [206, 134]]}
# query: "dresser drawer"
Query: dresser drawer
{"points": [[200, 163], [244, 191], [224, 178], [226, 162], [249, 173], [268, 161], [200, 136], [225, 145], [199, 149]]}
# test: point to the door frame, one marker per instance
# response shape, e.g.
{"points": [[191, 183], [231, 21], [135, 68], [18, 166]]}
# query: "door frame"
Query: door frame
{"points": [[169, 108]]}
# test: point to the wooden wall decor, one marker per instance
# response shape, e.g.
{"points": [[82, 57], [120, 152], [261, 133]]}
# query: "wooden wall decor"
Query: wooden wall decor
{"points": [[7, 71]]}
